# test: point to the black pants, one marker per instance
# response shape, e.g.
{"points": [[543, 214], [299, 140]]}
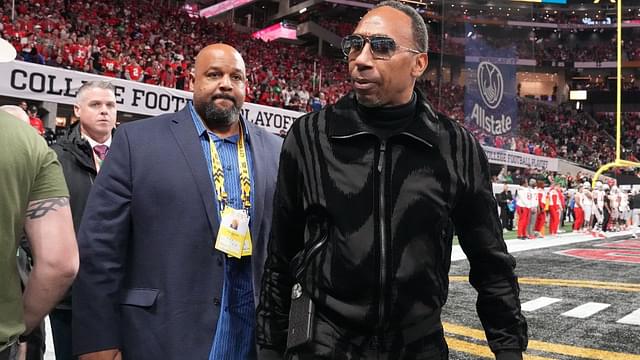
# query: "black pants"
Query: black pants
{"points": [[9, 353], [61, 328], [506, 217], [36, 343], [605, 221]]}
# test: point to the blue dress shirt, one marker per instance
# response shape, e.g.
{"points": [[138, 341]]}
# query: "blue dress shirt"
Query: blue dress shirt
{"points": [[235, 331]]}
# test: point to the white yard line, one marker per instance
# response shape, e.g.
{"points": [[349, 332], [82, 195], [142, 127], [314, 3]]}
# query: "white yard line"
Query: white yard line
{"points": [[585, 310], [539, 303], [631, 319]]}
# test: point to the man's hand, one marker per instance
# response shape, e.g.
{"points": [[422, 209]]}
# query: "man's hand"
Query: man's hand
{"points": [[111, 354], [22, 351]]}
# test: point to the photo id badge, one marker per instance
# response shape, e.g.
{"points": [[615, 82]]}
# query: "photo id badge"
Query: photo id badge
{"points": [[234, 226], [247, 248]]}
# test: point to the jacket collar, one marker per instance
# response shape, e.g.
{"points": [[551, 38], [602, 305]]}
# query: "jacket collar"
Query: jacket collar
{"points": [[346, 121], [186, 135], [73, 142]]}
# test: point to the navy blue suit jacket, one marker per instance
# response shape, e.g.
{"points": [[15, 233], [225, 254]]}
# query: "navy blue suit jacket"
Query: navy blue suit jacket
{"points": [[150, 281]]}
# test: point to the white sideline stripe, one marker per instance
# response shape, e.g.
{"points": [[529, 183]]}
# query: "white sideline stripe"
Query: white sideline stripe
{"points": [[538, 303], [585, 310], [631, 319], [515, 245]]}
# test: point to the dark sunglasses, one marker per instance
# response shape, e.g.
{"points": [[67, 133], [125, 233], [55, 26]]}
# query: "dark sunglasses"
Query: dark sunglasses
{"points": [[382, 47]]}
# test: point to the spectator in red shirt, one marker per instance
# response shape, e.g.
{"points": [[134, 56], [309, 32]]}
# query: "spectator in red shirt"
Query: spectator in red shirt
{"points": [[133, 71], [110, 65], [34, 120], [168, 78], [80, 52], [263, 98], [152, 73]]}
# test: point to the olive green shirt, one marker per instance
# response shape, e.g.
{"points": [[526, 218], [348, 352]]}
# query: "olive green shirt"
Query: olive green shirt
{"points": [[29, 171]]}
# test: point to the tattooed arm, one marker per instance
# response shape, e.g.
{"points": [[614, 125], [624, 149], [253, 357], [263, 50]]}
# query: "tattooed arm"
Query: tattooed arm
{"points": [[49, 229]]}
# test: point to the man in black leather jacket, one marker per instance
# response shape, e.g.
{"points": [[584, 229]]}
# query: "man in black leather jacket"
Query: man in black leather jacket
{"points": [[81, 151], [504, 199], [369, 192]]}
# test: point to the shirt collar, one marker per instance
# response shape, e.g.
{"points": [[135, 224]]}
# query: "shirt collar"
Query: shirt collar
{"points": [[202, 130], [93, 143], [348, 122]]}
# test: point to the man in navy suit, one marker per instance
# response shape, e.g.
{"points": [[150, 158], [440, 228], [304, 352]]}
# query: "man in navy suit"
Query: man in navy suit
{"points": [[153, 283]]}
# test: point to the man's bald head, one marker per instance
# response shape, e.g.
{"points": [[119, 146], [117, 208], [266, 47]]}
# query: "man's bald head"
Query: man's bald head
{"points": [[16, 111], [219, 85], [218, 50]]}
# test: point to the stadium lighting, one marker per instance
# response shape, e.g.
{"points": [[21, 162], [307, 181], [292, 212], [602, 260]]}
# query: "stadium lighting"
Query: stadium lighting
{"points": [[578, 95], [274, 32], [302, 11], [223, 7]]}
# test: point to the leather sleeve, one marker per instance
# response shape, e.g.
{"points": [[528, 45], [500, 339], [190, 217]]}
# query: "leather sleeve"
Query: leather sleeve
{"points": [[492, 268], [286, 240]]}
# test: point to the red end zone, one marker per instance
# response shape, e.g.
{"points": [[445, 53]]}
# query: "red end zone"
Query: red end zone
{"points": [[623, 251]]}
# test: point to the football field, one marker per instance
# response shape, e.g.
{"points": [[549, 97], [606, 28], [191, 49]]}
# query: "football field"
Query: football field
{"points": [[580, 295]]}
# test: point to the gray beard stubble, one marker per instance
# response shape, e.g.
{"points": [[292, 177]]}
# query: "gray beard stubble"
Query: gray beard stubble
{"points": [[217, 118]]}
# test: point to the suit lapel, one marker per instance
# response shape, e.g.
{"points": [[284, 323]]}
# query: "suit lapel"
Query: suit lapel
{"points": [[185, 133]]}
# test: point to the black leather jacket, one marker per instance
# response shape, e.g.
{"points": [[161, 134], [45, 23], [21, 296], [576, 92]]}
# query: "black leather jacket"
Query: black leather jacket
{"points": [[76, 157], [376, 219]]}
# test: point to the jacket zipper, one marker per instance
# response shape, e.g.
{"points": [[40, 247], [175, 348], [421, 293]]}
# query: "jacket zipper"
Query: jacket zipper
{"points": [[377, 340], [383, 241]]}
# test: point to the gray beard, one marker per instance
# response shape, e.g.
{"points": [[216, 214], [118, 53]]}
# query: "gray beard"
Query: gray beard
{"points": [[216, 118]]}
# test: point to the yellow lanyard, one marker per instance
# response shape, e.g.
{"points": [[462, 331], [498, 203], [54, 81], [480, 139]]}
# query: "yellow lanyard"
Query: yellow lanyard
{"points": [[218, 173]]}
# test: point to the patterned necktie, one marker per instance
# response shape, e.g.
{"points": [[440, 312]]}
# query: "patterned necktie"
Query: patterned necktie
{"points": [[101, 152]]}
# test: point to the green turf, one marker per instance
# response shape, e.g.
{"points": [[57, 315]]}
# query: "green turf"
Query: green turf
{"points": [[510, 235]]}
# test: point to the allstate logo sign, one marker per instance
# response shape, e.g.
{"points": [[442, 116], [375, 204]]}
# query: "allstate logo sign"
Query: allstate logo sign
{"points": [[490, 84], [491, 87]]}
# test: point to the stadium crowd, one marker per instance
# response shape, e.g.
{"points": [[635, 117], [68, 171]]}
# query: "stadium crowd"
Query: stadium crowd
{"points": [[544, 129], [630, 130], [128, 40], [143, 41]]}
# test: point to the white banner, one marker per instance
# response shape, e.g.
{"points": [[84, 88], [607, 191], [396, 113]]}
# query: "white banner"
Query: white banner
{"points": [[45, 83], [518, 159], [276, 120]]}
